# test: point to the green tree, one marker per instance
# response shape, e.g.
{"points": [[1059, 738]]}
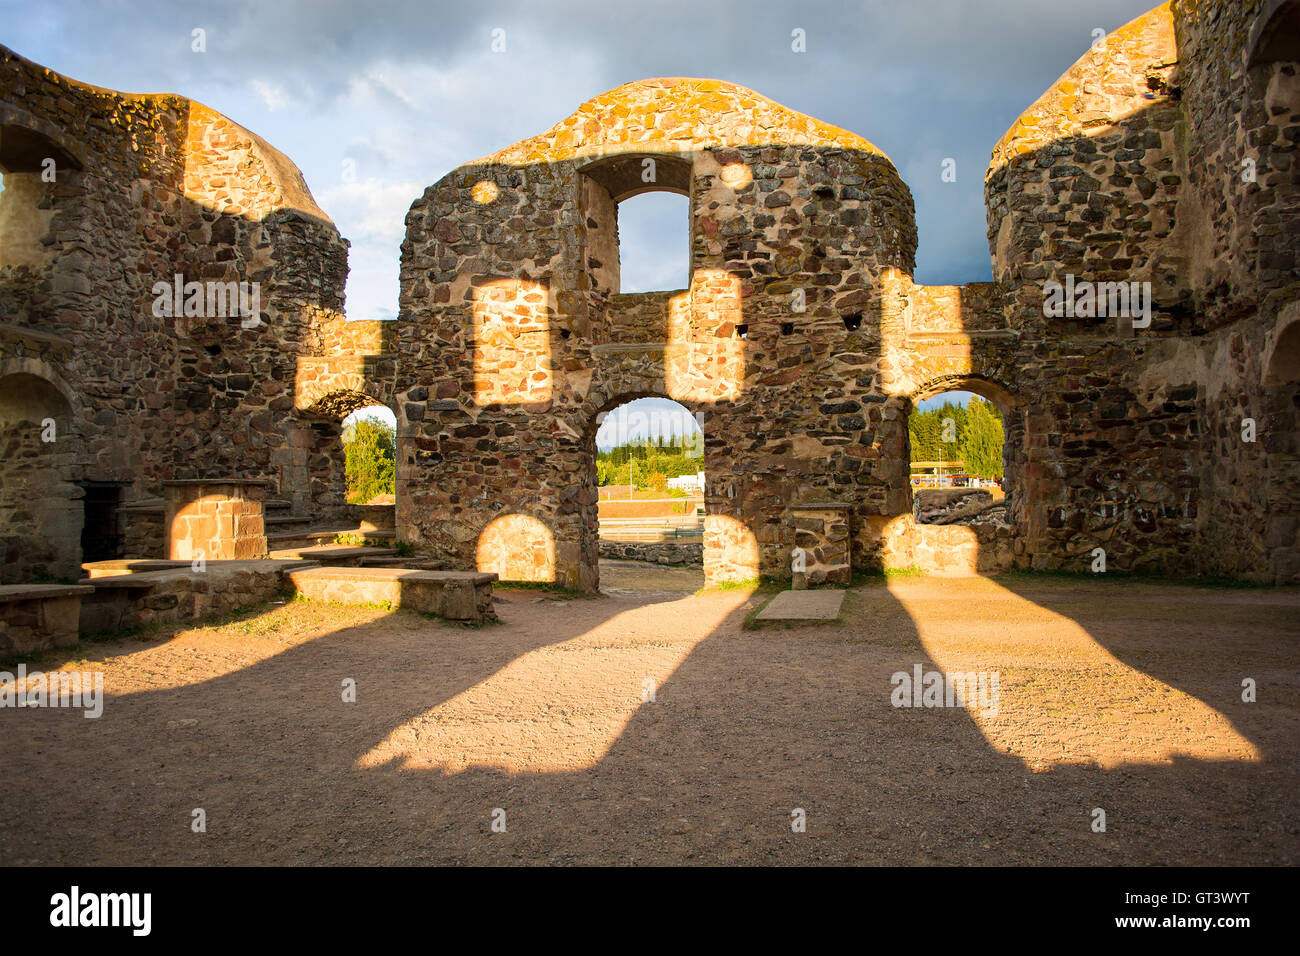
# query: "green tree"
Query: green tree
{"points": [[370, 455], [983, 441]]}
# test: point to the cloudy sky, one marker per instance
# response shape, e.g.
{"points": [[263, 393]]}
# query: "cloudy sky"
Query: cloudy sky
{"points": [[376, 100]]}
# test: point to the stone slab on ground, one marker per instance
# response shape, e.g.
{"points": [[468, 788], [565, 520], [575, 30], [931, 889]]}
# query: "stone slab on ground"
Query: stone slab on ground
{"points": [[803, 606], [455, 595]]}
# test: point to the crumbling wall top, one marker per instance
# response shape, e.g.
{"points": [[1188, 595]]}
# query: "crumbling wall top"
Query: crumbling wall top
{"points": [[676, 115], [1103, 86]]}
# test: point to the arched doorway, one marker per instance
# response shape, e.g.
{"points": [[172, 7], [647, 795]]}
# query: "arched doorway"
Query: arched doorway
{"points": [[40, 507], [650, 480], [317, 479], [966, 417]]}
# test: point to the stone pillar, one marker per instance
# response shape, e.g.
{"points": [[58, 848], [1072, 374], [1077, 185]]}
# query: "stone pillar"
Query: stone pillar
{"points": [[219, 518], [821, 529]]}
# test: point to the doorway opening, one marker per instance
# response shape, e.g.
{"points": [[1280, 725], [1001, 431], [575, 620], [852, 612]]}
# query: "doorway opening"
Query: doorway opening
{"points": [[958, 452], [650, 475]]}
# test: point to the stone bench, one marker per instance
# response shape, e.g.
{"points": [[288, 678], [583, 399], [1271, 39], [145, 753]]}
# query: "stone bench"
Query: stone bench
{"points": [[37, 617], [455, 595], [181, 594]]}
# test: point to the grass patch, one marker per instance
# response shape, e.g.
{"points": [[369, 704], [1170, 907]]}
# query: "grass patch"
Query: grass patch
{"points": [[882, 576], [762, 585], [360, 541]]}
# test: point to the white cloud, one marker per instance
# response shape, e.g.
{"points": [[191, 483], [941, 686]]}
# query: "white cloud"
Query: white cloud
{"points": [[370, 209], [272, 95]]}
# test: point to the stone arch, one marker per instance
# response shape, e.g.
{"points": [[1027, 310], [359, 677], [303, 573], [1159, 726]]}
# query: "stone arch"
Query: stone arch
{"points": [[1013, 424], [323, 384], [26, 139], [982, 386], [40, 369], [40, 200], [1275, 37], [313, 475], [1282, 355], [40, 505], [624, 176]]}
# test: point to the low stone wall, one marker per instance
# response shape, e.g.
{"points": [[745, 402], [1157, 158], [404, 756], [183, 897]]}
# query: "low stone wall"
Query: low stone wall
{"points": [[373, 517], [216, 519], [455, 595], [171, 596], [821, 530], [37, 617], [659, 552], [959, 550], [954, 549]]}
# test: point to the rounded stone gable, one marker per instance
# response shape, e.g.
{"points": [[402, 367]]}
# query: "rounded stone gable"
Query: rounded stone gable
{"points": [[677, 114]]}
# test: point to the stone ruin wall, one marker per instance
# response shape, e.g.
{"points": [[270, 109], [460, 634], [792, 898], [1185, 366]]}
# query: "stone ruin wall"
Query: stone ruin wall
{"points": [[147, 187], [532, 343], [1244, 257], [513, 336], [1128, 168], [1117, 438]]}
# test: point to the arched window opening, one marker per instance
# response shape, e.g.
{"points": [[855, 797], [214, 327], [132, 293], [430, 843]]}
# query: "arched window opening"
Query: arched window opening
{"points": [[957, 449]]}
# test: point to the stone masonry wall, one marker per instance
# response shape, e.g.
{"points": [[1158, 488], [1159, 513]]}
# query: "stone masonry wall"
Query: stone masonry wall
{"points": [[801, 343], [148, 187]]}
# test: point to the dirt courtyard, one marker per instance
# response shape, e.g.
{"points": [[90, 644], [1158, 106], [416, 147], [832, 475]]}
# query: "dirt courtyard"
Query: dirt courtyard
{"points": [[650, 726]]}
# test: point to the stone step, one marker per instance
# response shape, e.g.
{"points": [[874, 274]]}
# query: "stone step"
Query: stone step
{"points": [[313, 537], [280, 521], [455, 595], [332, 554], [102, 569]]}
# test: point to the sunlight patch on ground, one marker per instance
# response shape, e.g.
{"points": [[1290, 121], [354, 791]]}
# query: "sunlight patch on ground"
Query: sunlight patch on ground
{"points": [[557, 708], [1064, 698]]}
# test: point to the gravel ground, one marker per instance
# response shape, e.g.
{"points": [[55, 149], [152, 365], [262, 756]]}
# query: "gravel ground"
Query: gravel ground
{"points": [[649, 726]]}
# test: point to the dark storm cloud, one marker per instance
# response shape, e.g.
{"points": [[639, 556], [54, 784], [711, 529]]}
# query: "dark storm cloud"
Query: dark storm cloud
{"points": [[410, 89]]}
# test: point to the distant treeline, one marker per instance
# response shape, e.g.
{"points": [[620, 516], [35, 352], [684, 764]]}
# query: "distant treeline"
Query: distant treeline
{"points": [[648, 463], [975, 432]]}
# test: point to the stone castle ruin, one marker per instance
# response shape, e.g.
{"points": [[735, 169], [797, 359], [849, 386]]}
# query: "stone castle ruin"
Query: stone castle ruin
{"points": [[1163, 163]]}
